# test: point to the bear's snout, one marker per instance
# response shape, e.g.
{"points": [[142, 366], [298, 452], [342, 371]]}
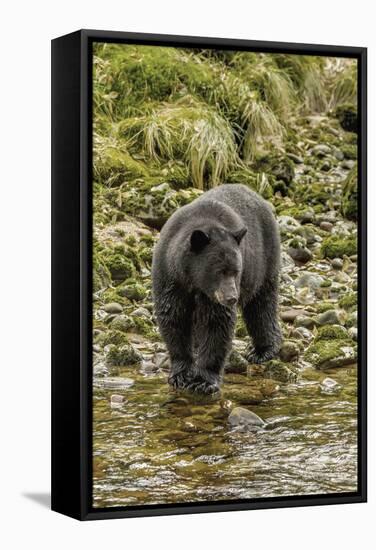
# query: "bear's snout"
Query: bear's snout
{"points": [[227, 293]]}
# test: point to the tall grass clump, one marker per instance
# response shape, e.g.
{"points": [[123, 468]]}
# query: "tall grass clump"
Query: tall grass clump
{"points": [[306, 72], [344, 89], [188, 130]]}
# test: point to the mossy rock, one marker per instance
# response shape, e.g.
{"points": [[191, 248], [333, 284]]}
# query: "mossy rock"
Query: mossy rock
{"points": [[349, 301], [281, 167], [115, 337], [349, 203], [327, 354], [120, 267], [331, 332], [123, 356], [154, 204], [101, 274], [337, 246], [112, 166], [132, 290], [278, 370]]}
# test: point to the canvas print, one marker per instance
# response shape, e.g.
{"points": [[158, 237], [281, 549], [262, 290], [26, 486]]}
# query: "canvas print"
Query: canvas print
{"points": [[224, 304]]}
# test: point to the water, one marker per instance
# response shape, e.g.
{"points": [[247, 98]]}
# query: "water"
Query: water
{"points": [[162, 447]]}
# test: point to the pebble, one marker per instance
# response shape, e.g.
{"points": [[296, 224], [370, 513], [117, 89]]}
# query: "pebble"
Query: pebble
{"points": [[141, 312], [289, 315], [326, 226], [321, 150], [289, 351], [114, 383], [116, 401], [245, 418], [328, 385], [113, 307], [305, 322], [301, 255], [337, 263], [332, 317], [310, 280], [353, 333], [302, 333]]}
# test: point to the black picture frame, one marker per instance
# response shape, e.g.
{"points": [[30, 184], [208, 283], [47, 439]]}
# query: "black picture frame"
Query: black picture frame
{"points": [[72, 267]]}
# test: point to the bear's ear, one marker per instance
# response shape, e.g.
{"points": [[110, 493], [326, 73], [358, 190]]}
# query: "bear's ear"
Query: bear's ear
{"points": [[199, 239], [238, 235]]}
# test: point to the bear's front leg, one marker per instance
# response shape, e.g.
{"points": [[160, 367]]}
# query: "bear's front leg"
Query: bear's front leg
{"points": [[214, 329], [261, 317], [174, 311]]}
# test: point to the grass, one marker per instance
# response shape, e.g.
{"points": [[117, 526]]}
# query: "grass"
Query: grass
{"points": [[189, 130]]}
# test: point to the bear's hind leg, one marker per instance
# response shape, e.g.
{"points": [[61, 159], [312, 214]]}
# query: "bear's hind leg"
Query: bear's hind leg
{"points": [[214, 330], [261, 318]]}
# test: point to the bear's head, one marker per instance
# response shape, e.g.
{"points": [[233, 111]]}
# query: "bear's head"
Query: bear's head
{"points": [[215, 263]]}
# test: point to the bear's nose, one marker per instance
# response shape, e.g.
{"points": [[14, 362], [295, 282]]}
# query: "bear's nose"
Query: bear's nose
{"points": [[231, 301]]}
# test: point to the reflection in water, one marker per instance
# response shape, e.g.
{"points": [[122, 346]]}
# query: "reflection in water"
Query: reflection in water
{"points": [[160, 447]]}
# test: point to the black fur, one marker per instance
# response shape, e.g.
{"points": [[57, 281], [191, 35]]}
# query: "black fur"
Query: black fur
{"points": [[220, 251]]}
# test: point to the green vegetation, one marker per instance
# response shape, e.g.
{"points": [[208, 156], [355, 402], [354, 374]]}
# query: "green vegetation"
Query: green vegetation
{"points": [[338, 246]]}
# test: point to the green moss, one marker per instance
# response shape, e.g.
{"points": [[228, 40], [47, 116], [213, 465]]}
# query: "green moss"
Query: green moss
{"points": [[331, 332], [279, 166], [324, 353], [123, 355], [349, 301], [350, 151], [336, 246], [278, 370], [349, 203], [115, 337], [120, 267], [113, 165], [123, 323], [132, 290], [322, 307]]}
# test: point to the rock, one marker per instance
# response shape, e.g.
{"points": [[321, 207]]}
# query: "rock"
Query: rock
{"points": [[148, 367], [337, 263], [236, 363], [245, 418], [352, 319], [298, 251], [332, 317], [141, 312], [321, 150], [305, 321], [114, 383], [353, 333], [326, 166], [96, 348], [287, 224], [100, 370], [302, 333], [132, 290], [123, 355], [287, 263], [328, 385], [326, 226], [295, 158], [116, 401], [113, 307], [289, 315], [337, 246], [162, 361], [277, 370], [328, 354], [348, 164], [289, 351], [310, 280], [332, 332]]}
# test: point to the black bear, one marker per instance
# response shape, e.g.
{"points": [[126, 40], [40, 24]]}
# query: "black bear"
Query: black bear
{"points": [[220, 251]]}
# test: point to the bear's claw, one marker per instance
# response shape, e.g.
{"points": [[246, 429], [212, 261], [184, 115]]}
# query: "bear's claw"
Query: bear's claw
{"points": [[260, 355]]}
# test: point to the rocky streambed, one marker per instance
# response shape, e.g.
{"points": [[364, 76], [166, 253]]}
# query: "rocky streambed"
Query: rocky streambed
{"points": [[287, 427]]}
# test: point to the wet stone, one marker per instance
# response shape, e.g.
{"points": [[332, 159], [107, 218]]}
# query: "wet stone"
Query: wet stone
{"points": [[289, 351], [244, 418], [113, 308], [328, 385], [114, 382], [332, 317]]}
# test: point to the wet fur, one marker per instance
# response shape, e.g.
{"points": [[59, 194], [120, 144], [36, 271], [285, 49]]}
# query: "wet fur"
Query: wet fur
{"points": [[197, 329]]}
